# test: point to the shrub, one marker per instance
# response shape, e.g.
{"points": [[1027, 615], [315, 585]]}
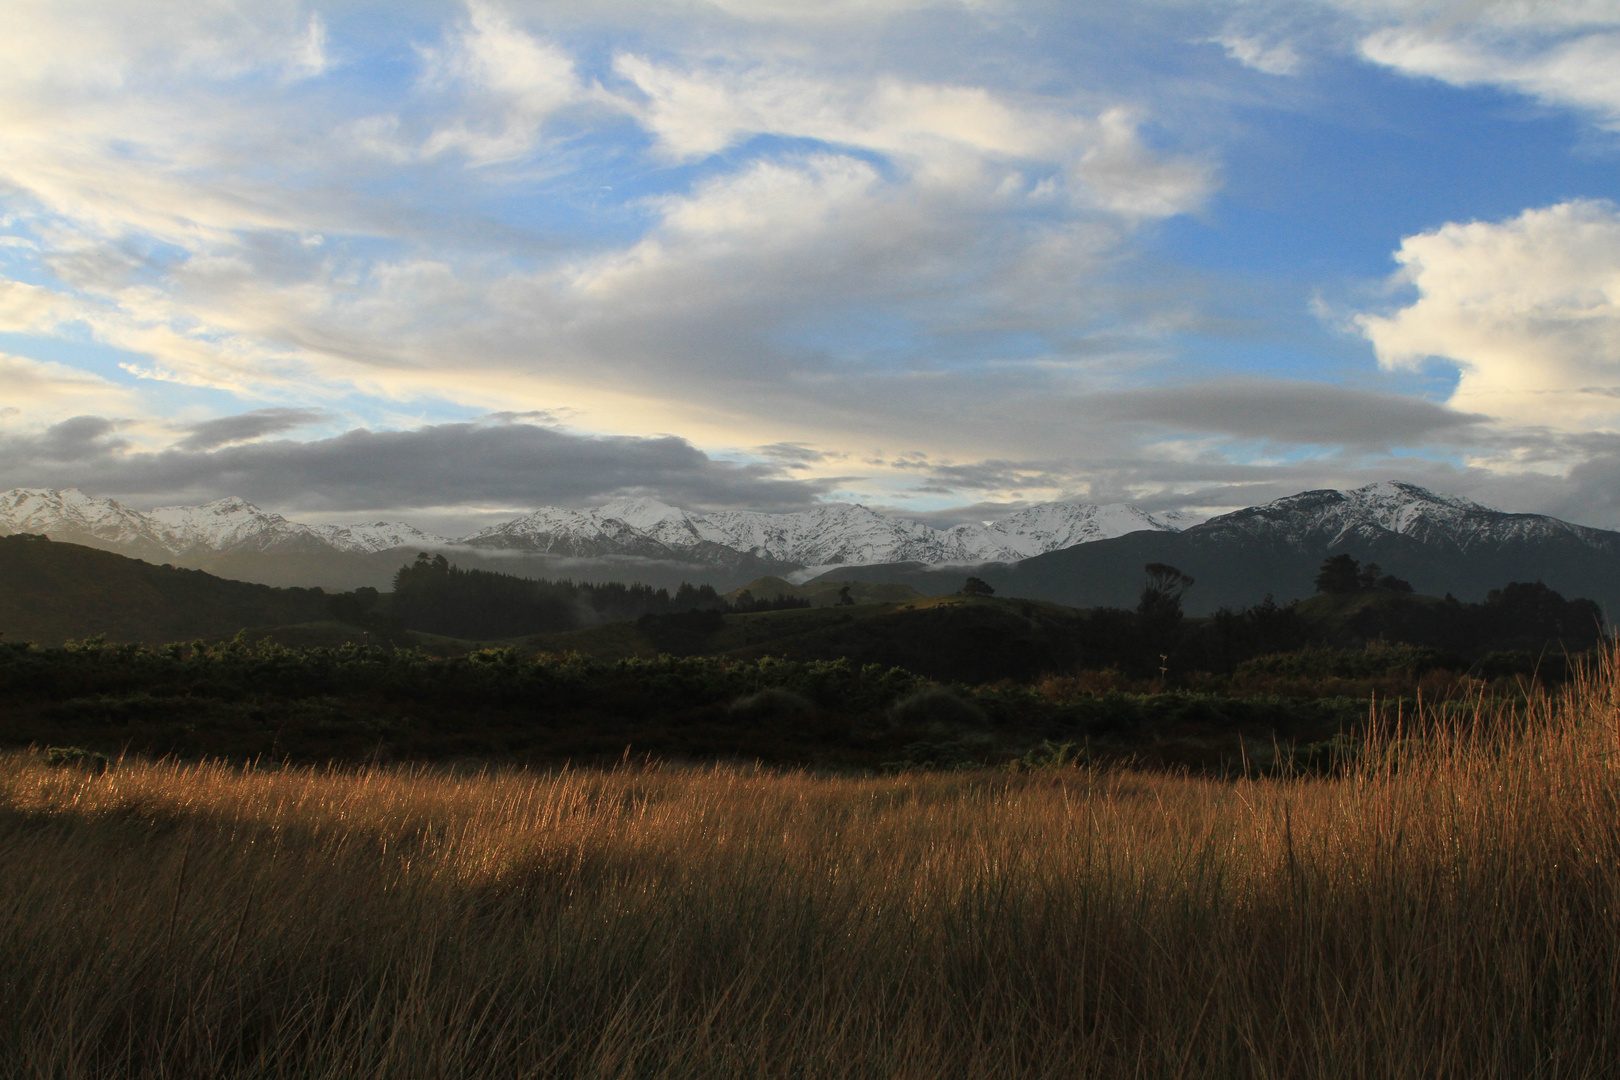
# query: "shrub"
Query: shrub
{"points": [[771, 704], [74, 757], [939, 708]]}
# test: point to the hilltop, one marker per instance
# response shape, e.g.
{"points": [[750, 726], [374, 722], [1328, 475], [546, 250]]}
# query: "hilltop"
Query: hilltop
{"points": [[51, 592]]}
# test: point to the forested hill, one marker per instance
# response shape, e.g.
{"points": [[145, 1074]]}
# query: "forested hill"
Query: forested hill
{"points": [[51, 592]]}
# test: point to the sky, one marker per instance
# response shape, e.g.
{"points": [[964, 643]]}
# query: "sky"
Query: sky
{"points": [[449, 262]]}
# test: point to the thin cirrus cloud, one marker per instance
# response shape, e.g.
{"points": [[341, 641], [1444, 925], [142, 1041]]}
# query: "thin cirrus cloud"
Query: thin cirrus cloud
{"points": [[897, 251], [1563, 54]]}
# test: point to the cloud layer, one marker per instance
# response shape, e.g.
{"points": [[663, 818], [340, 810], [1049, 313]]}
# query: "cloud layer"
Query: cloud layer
{"points": [[904, 251], [487, 465]]}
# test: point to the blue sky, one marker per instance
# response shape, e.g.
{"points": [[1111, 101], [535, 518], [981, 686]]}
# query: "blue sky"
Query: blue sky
{"points": [[942, 257]]}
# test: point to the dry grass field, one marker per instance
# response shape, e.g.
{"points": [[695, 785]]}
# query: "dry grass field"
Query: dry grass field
{"points": [[1448, 908]]}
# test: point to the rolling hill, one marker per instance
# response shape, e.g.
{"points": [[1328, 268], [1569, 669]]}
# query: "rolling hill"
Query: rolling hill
{"points": [[51, 592]]}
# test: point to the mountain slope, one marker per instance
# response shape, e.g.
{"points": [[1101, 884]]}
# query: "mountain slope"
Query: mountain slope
{"points": [[52, 591], [1439, 544]]}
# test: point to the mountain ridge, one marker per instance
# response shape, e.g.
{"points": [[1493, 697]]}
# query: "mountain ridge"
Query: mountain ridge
{"points": [[1441, 544], [643, 528], [1073, 553]]}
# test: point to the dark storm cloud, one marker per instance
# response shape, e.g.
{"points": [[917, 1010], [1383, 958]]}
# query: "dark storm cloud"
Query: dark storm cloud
{"points": [[245, 426], [1301, 413], [517, 465]]}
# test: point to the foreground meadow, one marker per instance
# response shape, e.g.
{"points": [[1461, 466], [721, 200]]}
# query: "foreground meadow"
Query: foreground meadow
{"points": [[1447, 907]]}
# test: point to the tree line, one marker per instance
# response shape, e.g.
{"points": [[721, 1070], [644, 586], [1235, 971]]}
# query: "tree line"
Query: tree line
{"points": [[435, 596]]}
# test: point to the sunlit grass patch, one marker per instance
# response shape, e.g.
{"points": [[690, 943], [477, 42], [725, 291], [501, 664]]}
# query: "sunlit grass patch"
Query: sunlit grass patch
{"points": [[1445, 907]]}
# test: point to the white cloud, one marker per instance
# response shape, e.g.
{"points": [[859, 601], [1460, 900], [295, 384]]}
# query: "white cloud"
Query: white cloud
{"points": [[1564, 53], [309, 57], [39, 392], [1253, 51], [1528, 309], [31, 309], [518, 80], [941, 134]]}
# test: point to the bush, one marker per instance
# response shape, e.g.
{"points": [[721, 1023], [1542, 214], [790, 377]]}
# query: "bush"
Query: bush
{"points": [[74, 757], [771, 704], [939, 708]]}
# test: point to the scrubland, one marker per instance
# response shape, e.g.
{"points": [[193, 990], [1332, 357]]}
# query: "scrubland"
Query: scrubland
{"points": [[1445, 906]]}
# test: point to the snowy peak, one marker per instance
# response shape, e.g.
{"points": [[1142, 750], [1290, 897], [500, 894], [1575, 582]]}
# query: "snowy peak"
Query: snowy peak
{"points": [[229, 524], [554, 530], [226, 525], [72, 515], [1050, 527], [1366, 514], [836, 534], [371, 537], [643, 513]]}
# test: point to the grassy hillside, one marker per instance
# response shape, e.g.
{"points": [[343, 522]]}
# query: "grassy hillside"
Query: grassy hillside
{"points": [[51, 592]]}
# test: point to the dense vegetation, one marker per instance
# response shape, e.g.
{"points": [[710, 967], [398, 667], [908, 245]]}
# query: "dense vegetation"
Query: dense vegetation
{"points": [[247, 701], [967, 638], [1443, 909], [436, 596], [702, 676]]}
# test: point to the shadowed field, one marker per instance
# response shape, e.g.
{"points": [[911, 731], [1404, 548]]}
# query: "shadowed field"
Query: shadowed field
{"points": [[1445, 908]]}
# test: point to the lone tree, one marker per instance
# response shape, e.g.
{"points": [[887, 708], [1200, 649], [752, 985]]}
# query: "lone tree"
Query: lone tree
{"points": [[1342, 574], [978, 587], [1161, 594], [844, 599], [1339, 574]]}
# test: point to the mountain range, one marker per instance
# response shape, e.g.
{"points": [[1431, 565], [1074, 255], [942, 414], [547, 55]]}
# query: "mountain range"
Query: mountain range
{"points": [[1072, 553], [1439, 543], [640, 528]]}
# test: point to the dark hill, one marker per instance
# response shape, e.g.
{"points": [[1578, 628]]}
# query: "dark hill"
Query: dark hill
{"points": [[1235, 569], [51, 592]]}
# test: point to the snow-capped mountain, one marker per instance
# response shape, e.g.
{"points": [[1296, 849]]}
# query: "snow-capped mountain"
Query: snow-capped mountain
{"points": [[1366, 514], [833, 535], [580, 534], [233, 524], [229, 524], [1051, 527], [373, 536], [73, 515]]}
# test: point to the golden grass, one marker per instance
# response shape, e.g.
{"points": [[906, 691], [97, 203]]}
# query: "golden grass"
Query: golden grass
{"points": [[1447, 910]]}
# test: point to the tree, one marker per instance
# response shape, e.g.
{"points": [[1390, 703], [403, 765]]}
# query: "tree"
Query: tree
{"points": [[978, 587], [1161, 594], [844, 599], [1339, 574]]}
